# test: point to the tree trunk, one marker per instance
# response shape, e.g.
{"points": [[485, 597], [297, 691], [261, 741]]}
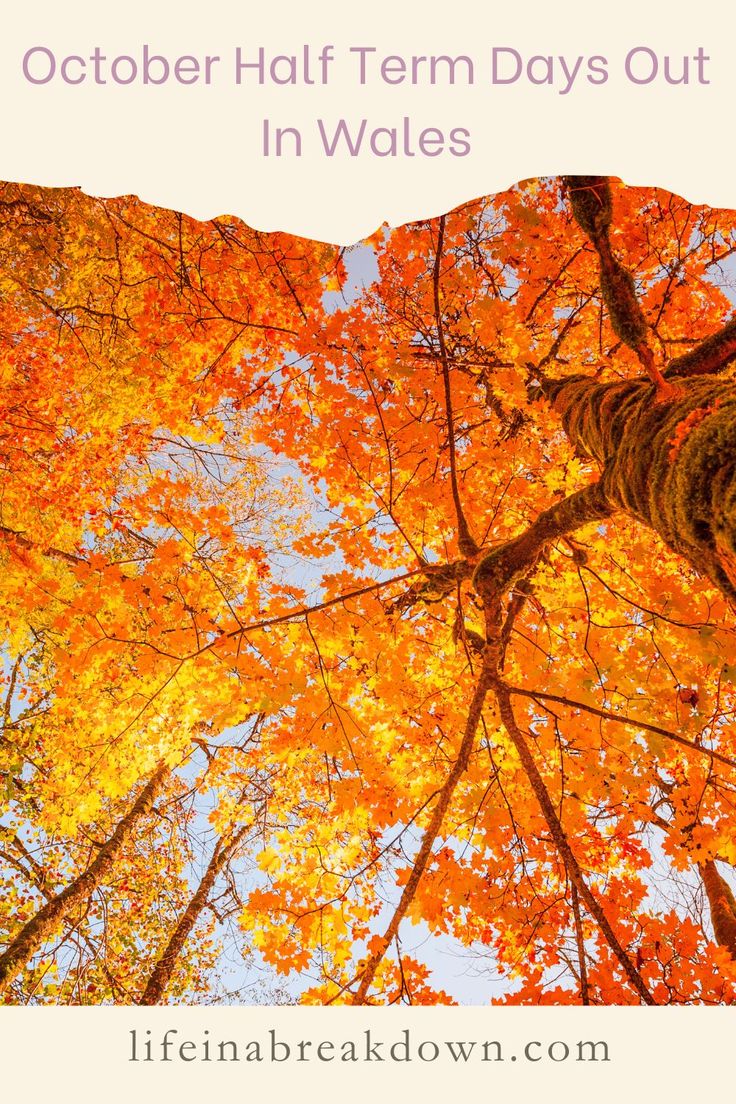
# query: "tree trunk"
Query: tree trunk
{"points": [[667, 447], [722, 906], [41, 927], [670, 464], [159, 980]]}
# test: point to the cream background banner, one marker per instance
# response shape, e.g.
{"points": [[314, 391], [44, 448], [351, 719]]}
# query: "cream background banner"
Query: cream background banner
{"points": [[199, 148]]}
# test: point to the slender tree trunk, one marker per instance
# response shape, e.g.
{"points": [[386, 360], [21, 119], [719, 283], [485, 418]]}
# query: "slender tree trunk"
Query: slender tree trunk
{"points": [[431, 832], [580, 942], [562, 843], [159, 980], [722, 905], [41, 927]]}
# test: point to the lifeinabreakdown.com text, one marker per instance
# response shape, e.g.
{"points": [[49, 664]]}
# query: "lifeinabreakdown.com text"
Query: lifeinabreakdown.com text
{"points": [[172, 1045]]}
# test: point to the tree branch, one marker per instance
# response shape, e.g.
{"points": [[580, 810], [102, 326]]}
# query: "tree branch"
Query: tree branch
{"points": [[430, 835], [510, 562], [562, 843], [466, 544], [590, 199], [710, 357], [606, 715]]}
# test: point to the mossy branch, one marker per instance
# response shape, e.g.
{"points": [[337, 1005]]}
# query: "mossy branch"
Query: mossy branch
{"points": [[710, 357], [590, 199], [500, 569]]}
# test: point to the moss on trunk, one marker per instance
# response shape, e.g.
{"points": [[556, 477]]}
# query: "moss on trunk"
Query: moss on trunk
{"points": [[670, 464], [722, 906]]}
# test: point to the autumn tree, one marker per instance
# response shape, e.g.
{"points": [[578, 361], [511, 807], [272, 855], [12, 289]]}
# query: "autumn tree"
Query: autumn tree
{"points": [[405, 574]]}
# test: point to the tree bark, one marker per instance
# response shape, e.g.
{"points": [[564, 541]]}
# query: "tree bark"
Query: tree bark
{"points": [[668, 451], [41, 927], [711, 356], [670, 464], [162, 973], [722, 906]]}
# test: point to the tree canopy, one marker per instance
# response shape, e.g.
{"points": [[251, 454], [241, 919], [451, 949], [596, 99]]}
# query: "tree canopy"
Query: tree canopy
{"points": [[349, 590]]}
